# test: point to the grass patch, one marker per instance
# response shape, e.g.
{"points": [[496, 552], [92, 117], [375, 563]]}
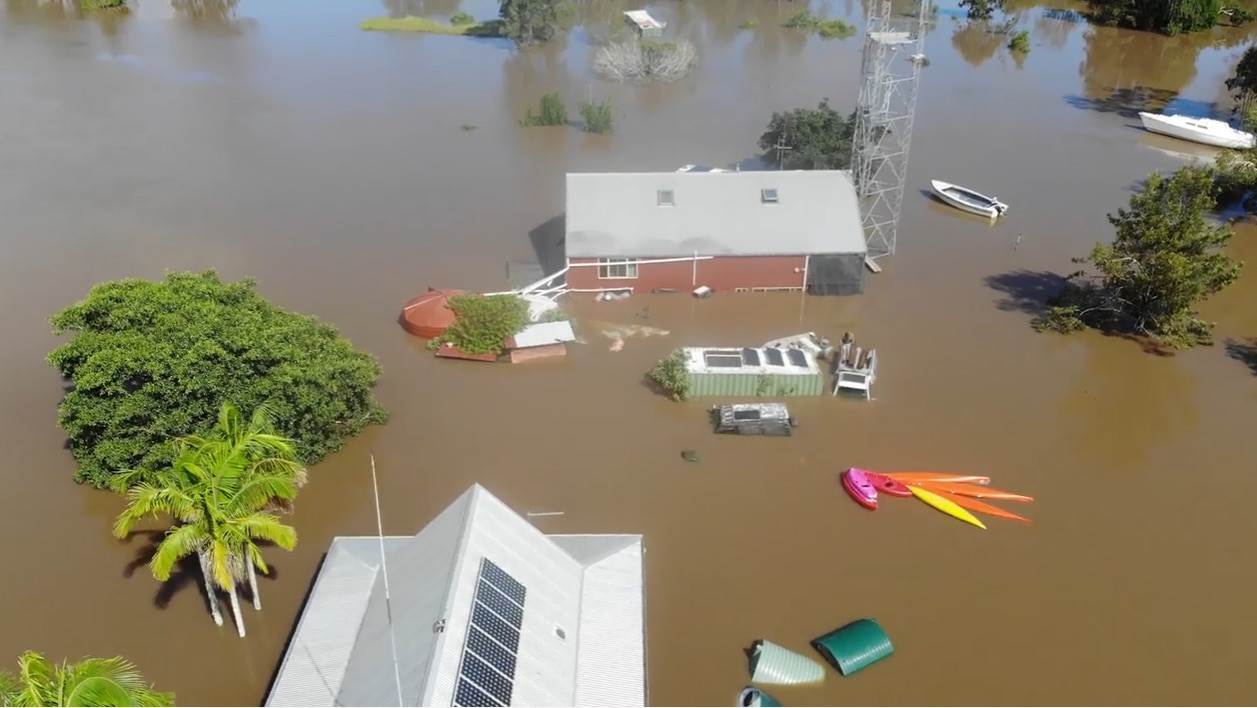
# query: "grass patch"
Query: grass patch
{"points": [[827, 29], [410, 23], [103, 4], [1020, 43], [749, 23], [552, 111], [462, 19], [596, 116]]}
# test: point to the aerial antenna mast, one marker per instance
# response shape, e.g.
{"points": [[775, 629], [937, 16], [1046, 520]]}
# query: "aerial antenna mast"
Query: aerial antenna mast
{"points": [[388, 599]]}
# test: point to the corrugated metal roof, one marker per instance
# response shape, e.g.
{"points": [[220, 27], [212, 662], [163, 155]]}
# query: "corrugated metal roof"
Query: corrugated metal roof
{"points": [[341, 652], [544, 333], [613, 215], [611, 662]]}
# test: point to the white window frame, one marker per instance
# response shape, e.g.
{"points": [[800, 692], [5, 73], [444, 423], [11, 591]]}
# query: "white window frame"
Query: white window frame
{"points": [[769, 195], [671, 201], [617, 268]]}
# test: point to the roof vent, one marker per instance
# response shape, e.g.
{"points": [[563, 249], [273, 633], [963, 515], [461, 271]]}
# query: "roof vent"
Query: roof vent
{"points": [[768, 196], [438, 626], [665, 197], [558, 632]]}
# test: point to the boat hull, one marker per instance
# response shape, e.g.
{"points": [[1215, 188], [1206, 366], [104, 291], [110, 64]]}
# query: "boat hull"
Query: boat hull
{"points": [[860, 489], [913, 477], [1235, 140], [887, 485], [946, 506], [982, 507], [941, 190], [970, 490]]}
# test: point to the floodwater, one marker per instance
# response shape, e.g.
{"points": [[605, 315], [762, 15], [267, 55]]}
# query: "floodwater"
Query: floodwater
{"points": [[274, 139]]}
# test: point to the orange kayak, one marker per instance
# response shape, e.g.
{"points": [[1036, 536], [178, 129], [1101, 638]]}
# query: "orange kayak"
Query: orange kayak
{"points": [[916, 477], [982, 507], [970, 490]]}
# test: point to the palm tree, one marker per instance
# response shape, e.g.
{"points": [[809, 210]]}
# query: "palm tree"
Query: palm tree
{"points": [[224, 491], [86, 682]]}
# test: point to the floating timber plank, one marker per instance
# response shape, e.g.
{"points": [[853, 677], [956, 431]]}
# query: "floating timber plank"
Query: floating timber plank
{"points": [[872, 265]]}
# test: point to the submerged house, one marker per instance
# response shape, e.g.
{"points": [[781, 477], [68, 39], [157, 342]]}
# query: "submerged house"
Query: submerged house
{"points": [[480, 608], [750, 231]]}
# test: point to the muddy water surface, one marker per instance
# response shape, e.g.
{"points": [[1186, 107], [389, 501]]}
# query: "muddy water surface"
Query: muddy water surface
{"points": [[278, 141]]}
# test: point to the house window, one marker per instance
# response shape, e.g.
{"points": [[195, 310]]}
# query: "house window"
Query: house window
{"points": [[768, 196], [665, 197], [617, 268]]}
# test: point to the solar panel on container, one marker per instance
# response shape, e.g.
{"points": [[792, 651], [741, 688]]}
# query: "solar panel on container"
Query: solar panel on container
{"points": [[486, 674], [774, 357], [797, 357]]}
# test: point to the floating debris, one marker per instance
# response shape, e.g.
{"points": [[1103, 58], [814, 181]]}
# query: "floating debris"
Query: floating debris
{"points": [[689, 455], [617, 345]]}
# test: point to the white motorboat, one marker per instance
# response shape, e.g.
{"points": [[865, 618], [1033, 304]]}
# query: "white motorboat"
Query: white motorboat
{"points": [[968, 200], [1206, 131]]}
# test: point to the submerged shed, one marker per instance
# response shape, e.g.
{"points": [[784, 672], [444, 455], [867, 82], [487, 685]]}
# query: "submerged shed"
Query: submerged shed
{"points": [[748, 372]]}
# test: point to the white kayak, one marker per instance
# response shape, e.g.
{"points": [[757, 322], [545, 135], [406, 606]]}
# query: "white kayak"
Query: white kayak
{"points": [[968, 200], [1206, 131]]}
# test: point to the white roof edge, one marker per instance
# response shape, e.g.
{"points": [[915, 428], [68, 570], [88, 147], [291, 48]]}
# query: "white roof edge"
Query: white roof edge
{"points": [[319, 579], [438, 650]]}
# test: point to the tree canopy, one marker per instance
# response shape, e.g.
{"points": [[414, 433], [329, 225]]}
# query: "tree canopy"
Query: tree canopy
{"points": [[1243, 85], [534, 21], [1166, 16], [809, 139], [86, 682], [981, 9], [150, 362], [1164, 260]]}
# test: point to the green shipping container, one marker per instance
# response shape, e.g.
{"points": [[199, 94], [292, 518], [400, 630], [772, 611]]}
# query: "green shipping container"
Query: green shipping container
{"points": [[749, 385]]}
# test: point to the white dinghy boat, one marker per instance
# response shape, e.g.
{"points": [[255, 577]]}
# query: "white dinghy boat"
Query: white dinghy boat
{"points": [[1205, 131], [968, 200]]}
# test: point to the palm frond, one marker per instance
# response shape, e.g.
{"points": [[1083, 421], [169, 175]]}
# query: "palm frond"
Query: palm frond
{"points": [[179, 543], [10, 689], [109, 682], [38, 680], [264, 526]]}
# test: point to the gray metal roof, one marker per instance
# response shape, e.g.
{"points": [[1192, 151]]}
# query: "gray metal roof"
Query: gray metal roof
{"points": [[588, 588], [713, 213]]}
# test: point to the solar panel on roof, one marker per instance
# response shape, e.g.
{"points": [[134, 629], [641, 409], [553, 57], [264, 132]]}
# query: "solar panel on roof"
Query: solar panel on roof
{"points": [[797, 357], [750, 357], [774, 357], [486, 673]]}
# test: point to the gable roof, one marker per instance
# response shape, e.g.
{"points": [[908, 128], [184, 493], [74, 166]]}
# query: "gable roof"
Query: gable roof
{"points": [[712, 213], [580, 632]]}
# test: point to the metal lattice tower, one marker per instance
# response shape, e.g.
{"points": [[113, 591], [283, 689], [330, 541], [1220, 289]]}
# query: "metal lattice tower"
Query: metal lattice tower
{"points": [[894, 52]]}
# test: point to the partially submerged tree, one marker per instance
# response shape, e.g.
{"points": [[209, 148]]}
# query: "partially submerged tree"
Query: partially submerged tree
{"points": [[223, 491], [981, 9], [86, 682], [150, 362], [533, 21], [1164, 260], [1166, 16], [645, 60], [483, 323], [809, 139]]}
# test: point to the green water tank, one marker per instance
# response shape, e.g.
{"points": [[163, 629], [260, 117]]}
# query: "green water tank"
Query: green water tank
{"points": [[854, 646]]}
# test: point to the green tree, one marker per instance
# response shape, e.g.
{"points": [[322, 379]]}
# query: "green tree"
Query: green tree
{"points": [[1164, 260], [86, 682], [533, 21], [150, 362], [809, 139], [981, 9], [1165, 16], [1243, 85], [223, 491]]}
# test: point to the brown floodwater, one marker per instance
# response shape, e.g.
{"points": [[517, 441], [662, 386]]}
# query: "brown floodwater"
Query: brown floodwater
{"points": [[277, 140]]}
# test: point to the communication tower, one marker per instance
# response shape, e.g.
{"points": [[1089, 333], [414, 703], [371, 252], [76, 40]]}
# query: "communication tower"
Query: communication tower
{"points": [[894, 52]]}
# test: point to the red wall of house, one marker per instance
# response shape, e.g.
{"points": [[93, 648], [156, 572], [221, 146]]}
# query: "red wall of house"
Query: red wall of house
{"points": [[720, 273]]}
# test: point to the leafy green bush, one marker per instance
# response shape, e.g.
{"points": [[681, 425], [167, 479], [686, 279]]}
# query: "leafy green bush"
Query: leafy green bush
{"points": [[460, 19], [1020, 42], [596, 116], [803, 20], [103, 4], [552, 111], [482, 323], [153, 361], [670, 375], [749, 23], [835, 29]]}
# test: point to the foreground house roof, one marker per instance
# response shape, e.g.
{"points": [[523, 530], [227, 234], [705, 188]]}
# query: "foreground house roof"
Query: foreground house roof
{"points": [[486, 611], [678, 214]]}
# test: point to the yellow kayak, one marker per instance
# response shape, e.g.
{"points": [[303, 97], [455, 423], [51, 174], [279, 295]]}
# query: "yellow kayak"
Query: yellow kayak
{"points": [[946, 506]]}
